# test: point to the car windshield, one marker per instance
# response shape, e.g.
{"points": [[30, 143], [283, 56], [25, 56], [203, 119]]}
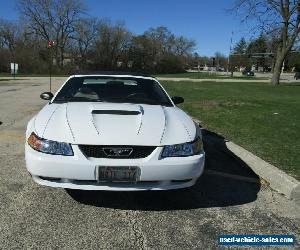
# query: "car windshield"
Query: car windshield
{"points": [[113, 89]]}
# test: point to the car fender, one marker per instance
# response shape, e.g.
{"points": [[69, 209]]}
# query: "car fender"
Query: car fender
{"points": [[30, 126]]}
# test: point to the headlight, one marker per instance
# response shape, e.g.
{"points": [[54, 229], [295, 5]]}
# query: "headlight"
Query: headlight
{"points": [[184, 149], [49, 147]]}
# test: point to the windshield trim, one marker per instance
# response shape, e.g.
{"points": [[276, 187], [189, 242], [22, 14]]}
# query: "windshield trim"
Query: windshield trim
{"points": [[169, 104]]}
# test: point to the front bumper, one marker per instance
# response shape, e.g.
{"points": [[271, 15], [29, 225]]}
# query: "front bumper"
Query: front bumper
{"points": [[79, 172]]}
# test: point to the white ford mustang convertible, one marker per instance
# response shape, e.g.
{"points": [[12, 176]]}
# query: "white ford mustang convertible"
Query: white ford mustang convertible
{"points": [[113, 131]]}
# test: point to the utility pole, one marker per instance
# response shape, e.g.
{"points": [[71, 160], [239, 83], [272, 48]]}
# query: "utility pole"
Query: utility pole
{"points": [[228, 61], [14, 71]]}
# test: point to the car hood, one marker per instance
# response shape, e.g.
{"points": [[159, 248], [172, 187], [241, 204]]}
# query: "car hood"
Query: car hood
{"points": [[114, 124]]}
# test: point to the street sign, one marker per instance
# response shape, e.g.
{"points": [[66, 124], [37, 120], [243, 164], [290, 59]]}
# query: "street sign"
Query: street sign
{"points": [[14, 68], [50, 43]]}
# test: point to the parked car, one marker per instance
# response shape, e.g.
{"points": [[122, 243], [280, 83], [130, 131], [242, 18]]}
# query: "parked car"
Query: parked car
{"points": [[113, 131], [248, 72], [297, 75]]}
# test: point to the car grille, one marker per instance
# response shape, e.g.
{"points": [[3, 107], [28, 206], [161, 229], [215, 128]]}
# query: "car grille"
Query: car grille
{"points": [[102, 151]]}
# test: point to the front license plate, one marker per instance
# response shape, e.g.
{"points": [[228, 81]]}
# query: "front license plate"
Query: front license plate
{"points": [[118, 174]]}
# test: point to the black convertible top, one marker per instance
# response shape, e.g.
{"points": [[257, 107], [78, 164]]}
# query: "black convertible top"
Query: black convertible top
{"points": [[111, 73]]}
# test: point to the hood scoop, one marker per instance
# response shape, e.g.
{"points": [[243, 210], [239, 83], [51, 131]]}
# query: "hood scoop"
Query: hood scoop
{"points": [[117, 119], [116, 112], [114, 123]]}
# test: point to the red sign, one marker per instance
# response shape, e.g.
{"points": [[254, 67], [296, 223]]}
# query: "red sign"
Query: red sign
{"points": [[51, 43]]}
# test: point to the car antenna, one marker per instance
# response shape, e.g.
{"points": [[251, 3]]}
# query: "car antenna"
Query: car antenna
{"points": [[50, 45]]}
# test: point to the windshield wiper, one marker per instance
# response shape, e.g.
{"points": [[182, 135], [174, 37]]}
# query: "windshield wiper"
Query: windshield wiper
{"points": [[77, 99], [83, 99]]}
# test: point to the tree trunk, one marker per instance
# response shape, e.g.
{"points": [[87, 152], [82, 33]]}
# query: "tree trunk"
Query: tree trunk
{"points": [[62, 58], [277, 69]]}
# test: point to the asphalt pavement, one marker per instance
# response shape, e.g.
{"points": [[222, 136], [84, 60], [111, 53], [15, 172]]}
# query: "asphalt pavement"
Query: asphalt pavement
{"points": [[228, 199]]}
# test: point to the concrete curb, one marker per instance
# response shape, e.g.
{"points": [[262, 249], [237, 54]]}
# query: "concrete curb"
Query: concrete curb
{"points": [[279, 180]]}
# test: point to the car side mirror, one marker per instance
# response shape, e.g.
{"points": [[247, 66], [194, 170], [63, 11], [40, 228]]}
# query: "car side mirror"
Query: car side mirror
{"points": [[177, 99], [46, 96]]}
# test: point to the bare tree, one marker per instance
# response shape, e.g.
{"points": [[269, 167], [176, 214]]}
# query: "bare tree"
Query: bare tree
{"points": [[85, 32], [9, 35], [111, 43], [159, 50], [279, 17], [142, 54], [184, 46], [52, 20], [89, 43]]}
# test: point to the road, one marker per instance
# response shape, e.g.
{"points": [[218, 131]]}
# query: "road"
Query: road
{"points": [[229, 198], [259, 77]]}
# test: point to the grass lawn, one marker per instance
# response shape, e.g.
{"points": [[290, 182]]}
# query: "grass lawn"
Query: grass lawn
{"points": [[262, 118], [208, 75]]}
